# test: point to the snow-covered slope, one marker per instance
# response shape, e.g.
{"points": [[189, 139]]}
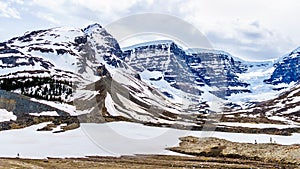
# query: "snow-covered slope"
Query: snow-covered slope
{"points": [[284, 107]]}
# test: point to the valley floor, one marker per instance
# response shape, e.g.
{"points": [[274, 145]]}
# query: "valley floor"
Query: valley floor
{"points": [[115, 145]]}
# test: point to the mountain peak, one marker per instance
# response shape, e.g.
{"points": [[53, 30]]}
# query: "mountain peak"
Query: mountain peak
{"points": [[294, 54], [156, 42], [297, 50], [92, 28]]}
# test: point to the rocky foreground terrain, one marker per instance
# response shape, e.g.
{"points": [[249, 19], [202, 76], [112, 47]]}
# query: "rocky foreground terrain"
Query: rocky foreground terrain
{"points": [[215, 147], [143, 162]]}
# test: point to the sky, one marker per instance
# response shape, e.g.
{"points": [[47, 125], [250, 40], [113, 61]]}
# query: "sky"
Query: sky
{"points": [[249, 29]]}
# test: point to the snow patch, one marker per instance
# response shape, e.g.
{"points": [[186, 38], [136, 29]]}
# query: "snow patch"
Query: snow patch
{"points": [[71, 109], [6, 115], [45, 113], [109, 104]]}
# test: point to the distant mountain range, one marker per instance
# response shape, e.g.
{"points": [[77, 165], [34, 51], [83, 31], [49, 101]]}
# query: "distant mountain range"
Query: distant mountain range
{"points": [[85, 73]]}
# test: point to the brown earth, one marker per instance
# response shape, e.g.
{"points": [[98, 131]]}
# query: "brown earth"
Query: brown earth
{"points": [[141, 162]]}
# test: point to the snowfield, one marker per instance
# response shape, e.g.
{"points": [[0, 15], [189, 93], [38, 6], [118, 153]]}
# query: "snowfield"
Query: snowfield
{"points": [[111, 139], [30, 143]]}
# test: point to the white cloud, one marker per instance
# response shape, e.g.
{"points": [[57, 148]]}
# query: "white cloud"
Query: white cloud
{"points": [[250, 40], [7, 11], [106, 6], [105, 10], [248, 28], [21, 2], [54, 6], [47, 17]]}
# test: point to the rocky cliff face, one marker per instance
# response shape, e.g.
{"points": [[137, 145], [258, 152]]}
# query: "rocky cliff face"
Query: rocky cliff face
{"points": [[188, 70], [165, 57], [218, 69]]}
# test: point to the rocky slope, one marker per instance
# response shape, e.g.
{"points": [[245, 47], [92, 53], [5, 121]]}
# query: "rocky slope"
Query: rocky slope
{"points": [[284, 108]]}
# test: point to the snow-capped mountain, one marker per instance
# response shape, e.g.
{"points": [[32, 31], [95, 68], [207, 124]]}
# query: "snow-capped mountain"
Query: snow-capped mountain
{"points": [[46, 63], [80, 72], [84, 73]]}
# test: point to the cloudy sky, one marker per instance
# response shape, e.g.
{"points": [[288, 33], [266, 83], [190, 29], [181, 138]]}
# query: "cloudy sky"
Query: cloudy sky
{"points": [[250, 29]]}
